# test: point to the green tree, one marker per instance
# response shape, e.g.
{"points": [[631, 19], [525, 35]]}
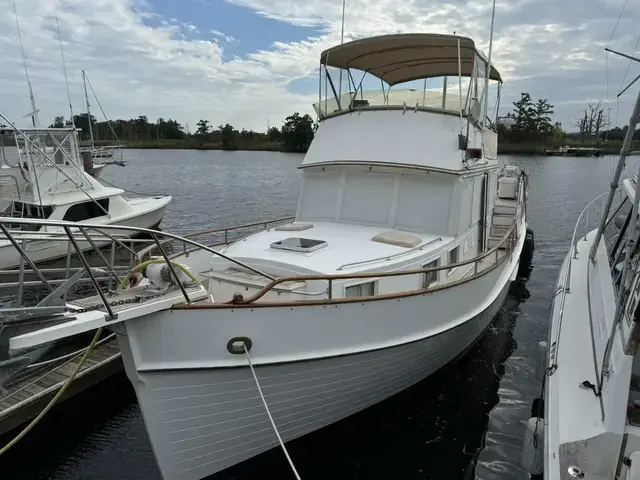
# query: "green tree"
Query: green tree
{"points": [[273, 134], [58, 122], [82, 122], [228, 136], [203, 127], [543, 125], [524, 116], [297, 133], [532, 121]]}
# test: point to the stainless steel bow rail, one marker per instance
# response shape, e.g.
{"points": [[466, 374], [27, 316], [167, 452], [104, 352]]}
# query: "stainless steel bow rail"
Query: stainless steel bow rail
{"points": [[98, 255]]}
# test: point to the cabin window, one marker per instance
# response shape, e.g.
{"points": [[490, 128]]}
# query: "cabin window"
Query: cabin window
{"points": [[361, 290], [453, 258], [430, 277], [26, 210], [86, 210]]}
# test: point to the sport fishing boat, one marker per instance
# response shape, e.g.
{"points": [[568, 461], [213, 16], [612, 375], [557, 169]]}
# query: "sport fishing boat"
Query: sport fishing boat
{"points": [[44, 176], [399, 256], [587, 423]]}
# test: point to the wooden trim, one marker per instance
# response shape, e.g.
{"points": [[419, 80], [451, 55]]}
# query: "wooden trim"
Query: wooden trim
{"points": [[251, 302]]}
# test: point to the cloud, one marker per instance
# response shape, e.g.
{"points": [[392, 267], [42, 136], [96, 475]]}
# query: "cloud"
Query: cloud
{"points": [[226, 38], [141, 63]]}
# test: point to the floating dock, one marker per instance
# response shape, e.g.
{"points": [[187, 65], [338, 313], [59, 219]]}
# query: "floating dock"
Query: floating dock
{"points": [[25, 398], [575, 151]]}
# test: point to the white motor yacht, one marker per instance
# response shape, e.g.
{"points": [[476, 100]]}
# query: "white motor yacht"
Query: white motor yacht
{"points": [[406, 238]]}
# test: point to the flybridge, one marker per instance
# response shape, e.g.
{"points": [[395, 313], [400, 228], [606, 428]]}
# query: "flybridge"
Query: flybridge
{"points": [[431, 109], [401, 59]]}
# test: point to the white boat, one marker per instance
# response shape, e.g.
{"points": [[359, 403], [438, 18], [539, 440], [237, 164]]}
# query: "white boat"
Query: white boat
{"points": [[400, 255], [44, 177], [587, 422]]}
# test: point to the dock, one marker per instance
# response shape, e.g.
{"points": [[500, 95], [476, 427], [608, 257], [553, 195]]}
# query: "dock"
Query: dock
{"points": [[575, 151], [25, 398]]}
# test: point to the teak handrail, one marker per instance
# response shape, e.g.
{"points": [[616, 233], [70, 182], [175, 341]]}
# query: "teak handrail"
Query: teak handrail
{"points": [[510, 238]]}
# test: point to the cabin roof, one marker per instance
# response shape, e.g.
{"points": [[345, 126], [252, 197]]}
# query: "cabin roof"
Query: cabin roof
{"points": [[404, 57], [347, 244]]}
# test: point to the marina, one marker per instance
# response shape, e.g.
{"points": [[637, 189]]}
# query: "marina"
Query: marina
{"points": [[405, 260], [393, 300]]}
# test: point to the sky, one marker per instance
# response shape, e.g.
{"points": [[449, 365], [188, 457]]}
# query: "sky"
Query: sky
{"points": [[251, 63]]}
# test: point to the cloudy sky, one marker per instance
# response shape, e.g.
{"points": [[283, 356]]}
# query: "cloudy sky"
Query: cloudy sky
{"points": [[250, 62]]}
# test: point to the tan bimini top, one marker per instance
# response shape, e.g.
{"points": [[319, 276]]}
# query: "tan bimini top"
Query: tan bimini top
{"points": [[405, 57]]}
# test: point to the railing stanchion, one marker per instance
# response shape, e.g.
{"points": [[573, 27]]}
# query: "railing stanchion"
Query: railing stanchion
{"points": [[96, 285], [226, 237], [170, 265], [475, 268], [95, 247], [21, 278], [586, 226], [112, 257], [330, 289], [68, 269]]}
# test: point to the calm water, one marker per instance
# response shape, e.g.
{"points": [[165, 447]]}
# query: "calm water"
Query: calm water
{"points": [[464, 422]]}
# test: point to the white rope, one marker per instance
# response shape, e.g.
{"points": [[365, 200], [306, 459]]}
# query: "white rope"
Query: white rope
{"points": [[266, 407]]}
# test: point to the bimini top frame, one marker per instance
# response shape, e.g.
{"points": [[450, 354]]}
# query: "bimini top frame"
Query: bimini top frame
{"points": [[403, 58]]}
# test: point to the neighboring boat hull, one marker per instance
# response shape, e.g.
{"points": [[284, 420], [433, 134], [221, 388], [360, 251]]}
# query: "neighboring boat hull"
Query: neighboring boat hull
{"points": [[44, 250], [201, 406]]}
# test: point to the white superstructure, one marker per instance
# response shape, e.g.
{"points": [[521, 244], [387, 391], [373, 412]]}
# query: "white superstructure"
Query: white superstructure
{"points": [[406, 238]]}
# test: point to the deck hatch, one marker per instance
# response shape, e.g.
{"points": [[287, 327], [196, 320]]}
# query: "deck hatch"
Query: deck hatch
{"points": [[298, 244]]}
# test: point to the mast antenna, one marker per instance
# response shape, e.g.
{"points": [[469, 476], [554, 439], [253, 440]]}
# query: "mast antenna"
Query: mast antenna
{"points": [[34, 112], [64, 68]]}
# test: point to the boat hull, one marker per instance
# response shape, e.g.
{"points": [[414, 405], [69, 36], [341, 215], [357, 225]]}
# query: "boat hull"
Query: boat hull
{"points": [[44, 250], [200, 403]]}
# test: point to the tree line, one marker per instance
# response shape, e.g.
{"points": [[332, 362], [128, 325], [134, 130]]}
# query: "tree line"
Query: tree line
{"points": [[532, 122], [294, 135]]}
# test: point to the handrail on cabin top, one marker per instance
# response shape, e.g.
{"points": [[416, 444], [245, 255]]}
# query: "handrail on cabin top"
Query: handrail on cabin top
{"points": [[510, 239]]}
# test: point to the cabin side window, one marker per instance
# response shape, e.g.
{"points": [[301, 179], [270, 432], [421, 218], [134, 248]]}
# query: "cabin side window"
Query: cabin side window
{"points": [[86, 210], [26, 210], [360, 290], [430, 278], [453, 258]]}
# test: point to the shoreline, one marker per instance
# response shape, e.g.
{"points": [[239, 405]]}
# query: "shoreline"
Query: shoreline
{"points": [[503, 148]]}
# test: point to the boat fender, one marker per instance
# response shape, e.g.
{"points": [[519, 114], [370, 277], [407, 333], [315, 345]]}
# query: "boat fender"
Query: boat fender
{"points": [[531, 235], [236, 345], [541, 360], [533, 449]]}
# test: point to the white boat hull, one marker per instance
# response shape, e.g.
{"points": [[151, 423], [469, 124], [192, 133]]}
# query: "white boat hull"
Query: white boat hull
{"points": [[201, 405], [43, 250]]}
